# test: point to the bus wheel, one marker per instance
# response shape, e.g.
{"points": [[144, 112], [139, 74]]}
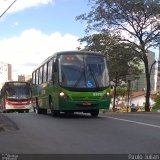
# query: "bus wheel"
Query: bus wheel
{"points": [[27, 110], [94, 113], [38, 110], [55, 113], [20, 111], [5, 111], [44, 111]]}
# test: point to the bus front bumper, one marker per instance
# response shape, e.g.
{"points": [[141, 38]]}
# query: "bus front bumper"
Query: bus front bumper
{"points": [[83, 105]]}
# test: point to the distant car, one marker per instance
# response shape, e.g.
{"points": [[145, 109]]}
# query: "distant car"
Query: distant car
{"points": [[134, 108]]}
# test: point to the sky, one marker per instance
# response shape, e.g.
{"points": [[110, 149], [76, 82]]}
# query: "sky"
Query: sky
{"points": [[32, 30]]}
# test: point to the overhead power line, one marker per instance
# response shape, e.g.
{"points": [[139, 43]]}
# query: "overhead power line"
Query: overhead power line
{"points": [[8, 8]]}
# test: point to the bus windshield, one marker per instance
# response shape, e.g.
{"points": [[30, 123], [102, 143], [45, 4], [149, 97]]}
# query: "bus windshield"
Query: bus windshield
{"points": [[83, 71], [21, 92]]}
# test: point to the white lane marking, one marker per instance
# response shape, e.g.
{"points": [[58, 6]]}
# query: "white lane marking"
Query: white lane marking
{"points": [[149, 115], [130, 121]]}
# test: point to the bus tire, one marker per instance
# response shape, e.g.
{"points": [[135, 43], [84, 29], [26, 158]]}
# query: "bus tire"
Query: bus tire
{"points": [[5, 111], [27, 110], [94, 113], [20, 111], [37, 109], [44, 111], [55, 113]]}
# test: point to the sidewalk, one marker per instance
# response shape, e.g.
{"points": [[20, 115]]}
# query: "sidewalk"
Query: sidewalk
{"points": [[6, 124], [138, 112]]}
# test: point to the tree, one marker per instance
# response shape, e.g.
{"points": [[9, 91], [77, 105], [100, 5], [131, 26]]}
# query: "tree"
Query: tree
{"points": [[122, 91], [119, 57], [157, 104], [135, 22], [120, 60]]}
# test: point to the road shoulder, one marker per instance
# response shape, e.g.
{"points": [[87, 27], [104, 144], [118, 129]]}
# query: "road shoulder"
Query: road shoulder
{"points": [[7, 124]]}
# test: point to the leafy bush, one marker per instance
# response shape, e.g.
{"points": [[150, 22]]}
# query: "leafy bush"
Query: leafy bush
{"points": [[157, 104]]}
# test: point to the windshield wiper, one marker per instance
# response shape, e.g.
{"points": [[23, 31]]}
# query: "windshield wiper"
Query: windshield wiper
{"points": [[78, 80], [94, 78]]}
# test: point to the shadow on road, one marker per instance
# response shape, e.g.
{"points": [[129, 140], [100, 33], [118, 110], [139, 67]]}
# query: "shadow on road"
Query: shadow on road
{"points": [[7, 124], [76, 116]]}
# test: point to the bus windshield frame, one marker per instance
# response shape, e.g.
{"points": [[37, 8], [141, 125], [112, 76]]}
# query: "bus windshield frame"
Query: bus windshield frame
{"points": [[83, 72], [17, 91]]}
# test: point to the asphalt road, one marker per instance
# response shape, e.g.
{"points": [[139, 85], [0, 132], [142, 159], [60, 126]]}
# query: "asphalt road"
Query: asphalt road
{"points": [[110, 133]]}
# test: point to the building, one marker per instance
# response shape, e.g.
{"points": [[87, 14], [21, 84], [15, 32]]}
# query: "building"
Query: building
{"points": [[140, 83], [24, 78], [138, 99], [21, 78], [5, 72]]}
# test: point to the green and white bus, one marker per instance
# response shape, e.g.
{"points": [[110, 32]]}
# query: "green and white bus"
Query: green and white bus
{"points": [[71, 81]]}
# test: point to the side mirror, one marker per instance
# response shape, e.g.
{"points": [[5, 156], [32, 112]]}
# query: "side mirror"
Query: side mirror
{"points": [[53, 78], [55, 67]]}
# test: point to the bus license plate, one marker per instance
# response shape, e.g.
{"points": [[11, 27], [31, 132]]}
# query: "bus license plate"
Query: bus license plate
{"points": [[19, 106], [86, 103]]}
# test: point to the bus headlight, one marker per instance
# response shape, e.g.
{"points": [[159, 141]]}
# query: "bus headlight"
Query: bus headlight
{"points": [[64, 96], [61, 94], [106, 95]]}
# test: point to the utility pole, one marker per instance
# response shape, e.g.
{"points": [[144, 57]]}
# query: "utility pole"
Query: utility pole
{"points": [[128, 98], [8, 8], [129, 78]]}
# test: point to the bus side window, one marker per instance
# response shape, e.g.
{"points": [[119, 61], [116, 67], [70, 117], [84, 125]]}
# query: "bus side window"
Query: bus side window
{"points": [[55, 65], [45, 73], [37, 77], [33, 78], [50, 67], [40, 75]]}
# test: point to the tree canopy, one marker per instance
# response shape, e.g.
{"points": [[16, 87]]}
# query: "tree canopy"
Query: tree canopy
{"points": [[134, 22], [119, 57]]}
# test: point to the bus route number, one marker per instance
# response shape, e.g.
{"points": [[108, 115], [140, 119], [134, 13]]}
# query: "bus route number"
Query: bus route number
{"points": [[97, 94]]}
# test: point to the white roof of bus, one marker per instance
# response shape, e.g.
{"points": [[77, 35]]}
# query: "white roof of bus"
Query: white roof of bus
{"points": [[69, 52]]}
